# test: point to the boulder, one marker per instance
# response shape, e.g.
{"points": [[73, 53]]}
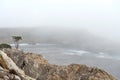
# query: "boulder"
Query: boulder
{"points": [[7, 75], [9, 70]]}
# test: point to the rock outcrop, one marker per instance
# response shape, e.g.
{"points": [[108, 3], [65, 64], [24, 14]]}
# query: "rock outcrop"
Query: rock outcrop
{"points": [[37, 67], [9, 70]]}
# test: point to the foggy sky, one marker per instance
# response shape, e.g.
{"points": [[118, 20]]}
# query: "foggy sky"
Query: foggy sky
{"points": [[101, 17]]}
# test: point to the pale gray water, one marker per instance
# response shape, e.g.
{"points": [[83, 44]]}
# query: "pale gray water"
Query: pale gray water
{"points": [[59, 50]]}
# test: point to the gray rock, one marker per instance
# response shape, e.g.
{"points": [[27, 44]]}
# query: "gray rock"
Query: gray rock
{"points": [[9, 70]]}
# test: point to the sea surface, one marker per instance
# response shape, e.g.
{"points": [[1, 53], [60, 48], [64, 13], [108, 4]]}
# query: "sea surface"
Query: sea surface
{"points": [[59, 50], [56, 54]]}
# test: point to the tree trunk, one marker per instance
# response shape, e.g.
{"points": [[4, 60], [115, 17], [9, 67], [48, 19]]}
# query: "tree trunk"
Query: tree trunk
{"points": [[17, 45]]}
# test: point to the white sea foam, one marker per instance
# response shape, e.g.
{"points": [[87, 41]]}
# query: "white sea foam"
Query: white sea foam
{"points": [[76, 52], [21, 44], [86, 53], [24, 44], [44, 44], [104, 55]]}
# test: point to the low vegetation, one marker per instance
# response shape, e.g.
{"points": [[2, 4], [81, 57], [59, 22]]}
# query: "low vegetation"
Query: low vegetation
{"points": [[4, 45]]}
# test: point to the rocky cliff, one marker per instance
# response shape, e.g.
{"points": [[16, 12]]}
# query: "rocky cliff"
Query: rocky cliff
{"points": [[34, 65], [9, 70]]}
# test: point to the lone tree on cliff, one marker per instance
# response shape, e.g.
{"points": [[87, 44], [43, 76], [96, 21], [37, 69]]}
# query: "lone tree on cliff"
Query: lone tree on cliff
{"points": [[16, 40]]}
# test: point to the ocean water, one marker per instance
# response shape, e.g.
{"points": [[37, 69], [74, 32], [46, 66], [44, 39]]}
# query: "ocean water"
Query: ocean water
{"points": [[58, 50]]}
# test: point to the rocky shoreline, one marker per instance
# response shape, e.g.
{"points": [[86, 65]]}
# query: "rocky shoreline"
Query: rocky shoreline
{"points": [[16, 65]]}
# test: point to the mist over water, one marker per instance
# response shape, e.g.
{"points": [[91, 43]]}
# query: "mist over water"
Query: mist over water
{"points": [[68, 37], [68, 41]]}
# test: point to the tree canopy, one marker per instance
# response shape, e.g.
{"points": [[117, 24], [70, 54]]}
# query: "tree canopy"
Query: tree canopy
{"points": [[16, 41]]}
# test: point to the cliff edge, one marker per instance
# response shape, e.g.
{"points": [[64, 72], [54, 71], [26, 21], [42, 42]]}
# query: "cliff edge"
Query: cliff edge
{"points": [[35, 66]]}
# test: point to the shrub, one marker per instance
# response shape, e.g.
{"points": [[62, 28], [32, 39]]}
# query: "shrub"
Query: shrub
{"points": [[4, 45]]}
